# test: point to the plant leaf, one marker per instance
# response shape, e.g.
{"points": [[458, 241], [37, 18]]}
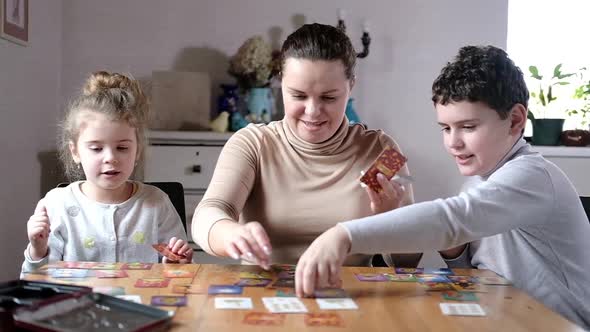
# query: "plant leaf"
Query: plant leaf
{"points": [[535, 72]]}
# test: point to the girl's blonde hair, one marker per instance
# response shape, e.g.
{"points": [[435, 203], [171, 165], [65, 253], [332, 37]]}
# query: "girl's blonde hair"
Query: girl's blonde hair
{"points": [[115, 95]]}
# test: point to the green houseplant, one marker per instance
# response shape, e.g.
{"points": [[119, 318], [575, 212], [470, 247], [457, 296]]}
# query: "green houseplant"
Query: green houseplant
{"points": [[546, 131]]}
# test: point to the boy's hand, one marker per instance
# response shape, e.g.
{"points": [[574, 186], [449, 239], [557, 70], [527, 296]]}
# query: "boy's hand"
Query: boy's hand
{"points": [[38, 229], [389, 198], [249, 242], [181, 248], [319, 266]]}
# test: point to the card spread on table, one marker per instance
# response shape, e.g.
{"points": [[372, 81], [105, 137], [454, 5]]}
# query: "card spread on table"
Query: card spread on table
{"points": [[69, 273], [163, 249], [264, 319], [111, 274], [283, 267], [400, 277], [459, 296], [240, 303], [285, 293], [432, 277], [224, 289], [370, 277], [493, 280], [284, 304], [136, 266], [337, 304], [253, 282], [388, 163], [256, 275], [178, 274], [462, 309], [324, 319], [437, 286], [90, 265], [464, 279], [286, 283], [442, 271], [152, 282], [330, 293], [169, 300], [131, 298]]}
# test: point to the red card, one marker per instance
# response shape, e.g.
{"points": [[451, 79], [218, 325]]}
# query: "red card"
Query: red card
{"points": [[152, 282], [111, 274], [264, 319], [136, 266], [163, 249], [388, 163], [323, 319], [178, 274]]}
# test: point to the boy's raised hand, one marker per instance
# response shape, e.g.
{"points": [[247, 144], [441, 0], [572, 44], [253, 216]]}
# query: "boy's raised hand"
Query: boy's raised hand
{"points": [[38, 229], [181, 248]]}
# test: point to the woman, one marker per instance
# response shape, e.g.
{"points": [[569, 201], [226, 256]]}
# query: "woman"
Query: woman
{"points": [[277, 187]]}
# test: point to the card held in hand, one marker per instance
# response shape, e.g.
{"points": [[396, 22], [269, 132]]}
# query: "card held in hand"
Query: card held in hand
{"points": [[388, 163], [163, 249]]}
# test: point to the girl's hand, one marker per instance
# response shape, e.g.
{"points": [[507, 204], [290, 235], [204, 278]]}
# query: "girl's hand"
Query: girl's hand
{"points": [[389, 198], [181, 248], [38, 229], [249, 242]]}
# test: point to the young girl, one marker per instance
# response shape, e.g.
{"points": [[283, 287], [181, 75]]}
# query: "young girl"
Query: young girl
{"points": [[105, 217]]}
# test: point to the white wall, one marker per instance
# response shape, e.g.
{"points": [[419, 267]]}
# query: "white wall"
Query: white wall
{"points": [[29, 95]]}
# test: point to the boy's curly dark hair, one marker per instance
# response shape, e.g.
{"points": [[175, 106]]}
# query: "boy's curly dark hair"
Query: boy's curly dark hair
{"points": [[482, 74]]}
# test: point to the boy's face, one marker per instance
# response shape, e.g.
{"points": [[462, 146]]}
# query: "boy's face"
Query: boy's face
{"points": [[475, 136]]}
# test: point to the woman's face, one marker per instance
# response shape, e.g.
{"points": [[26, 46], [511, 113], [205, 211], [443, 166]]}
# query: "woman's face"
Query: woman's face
{"points": [[315, 93]]}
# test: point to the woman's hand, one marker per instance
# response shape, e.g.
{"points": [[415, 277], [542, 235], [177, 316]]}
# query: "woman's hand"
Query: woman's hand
{"points": [[38, 230], [389, 198], [320, 264], [249, 242], [181, 248]]}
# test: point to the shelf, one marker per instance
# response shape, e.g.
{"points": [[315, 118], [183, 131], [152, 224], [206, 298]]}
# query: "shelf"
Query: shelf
{"points": [[563, 151]]}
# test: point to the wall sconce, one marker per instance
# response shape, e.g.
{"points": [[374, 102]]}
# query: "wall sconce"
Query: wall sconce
{"points": [[365, 39]]}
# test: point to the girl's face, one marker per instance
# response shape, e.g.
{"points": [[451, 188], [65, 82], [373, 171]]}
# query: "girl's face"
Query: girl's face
{"points": [[315, 94], [107, 151]]}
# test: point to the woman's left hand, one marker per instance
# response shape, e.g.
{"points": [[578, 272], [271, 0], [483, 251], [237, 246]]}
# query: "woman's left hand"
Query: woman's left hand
{"points": [[389, 198], [181, 248]]}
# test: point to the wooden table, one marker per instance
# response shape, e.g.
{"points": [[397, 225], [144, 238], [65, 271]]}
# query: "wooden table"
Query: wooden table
{"points": [[383, 306]]}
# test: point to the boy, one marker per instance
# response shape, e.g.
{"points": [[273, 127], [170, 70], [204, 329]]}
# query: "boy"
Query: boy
{"points": [[520, 217]]}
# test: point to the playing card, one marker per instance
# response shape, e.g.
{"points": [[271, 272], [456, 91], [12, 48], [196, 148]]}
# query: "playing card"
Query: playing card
{"points": [[323, 319], [400, 277], [163, 249], [409, 270], [109, 290], [253, 282], [283, 267], [178, 274], [131, 298], [330, 293], [286, 283], [337, 304], [370, 277], [233, 303], [79, 265], [189, 289], [111, 274], [432, 278], [224, 289], [459, 296], [136, 266], [468, 286], [442, 271], [69, 273], [264, 319], [437, 286], [388, 163], [462, 309], [285, 293], [464, 279], [169, 300], [256, 275], [152, 282], [284, 304], [494, 280]]}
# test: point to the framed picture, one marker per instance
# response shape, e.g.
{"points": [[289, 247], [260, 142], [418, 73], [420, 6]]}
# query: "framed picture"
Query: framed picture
{"points": [[14, 21]]}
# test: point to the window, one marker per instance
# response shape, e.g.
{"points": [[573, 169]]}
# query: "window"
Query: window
{"points": [[545, 33]]}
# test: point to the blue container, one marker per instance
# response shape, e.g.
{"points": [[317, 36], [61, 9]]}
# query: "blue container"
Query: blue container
{"points": [[259, 104]]}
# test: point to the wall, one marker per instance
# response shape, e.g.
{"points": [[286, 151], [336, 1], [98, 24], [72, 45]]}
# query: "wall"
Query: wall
{"points": [[29, 95]]}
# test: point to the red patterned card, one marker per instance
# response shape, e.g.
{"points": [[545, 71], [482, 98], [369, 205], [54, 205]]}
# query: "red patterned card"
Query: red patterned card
{"points": [[323, 319], [388, 163], [152, 283], [163, 249], [264, 319]]}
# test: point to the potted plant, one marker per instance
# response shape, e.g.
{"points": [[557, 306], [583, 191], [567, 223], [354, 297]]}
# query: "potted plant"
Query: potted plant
{"points": [[546, 131], [580, 136]]}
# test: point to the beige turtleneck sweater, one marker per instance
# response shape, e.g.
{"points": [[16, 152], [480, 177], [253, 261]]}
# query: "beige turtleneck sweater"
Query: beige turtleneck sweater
{"points": [[295, 189]]}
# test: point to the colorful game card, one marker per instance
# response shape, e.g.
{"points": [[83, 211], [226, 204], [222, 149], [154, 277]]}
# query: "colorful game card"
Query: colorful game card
{"points": [[256, 275], [465, 279], [330, 293], [323, 319], [337, 304], [236, 303], [152, 282], [131, 298], [437, 286], [264, 319], [286, 293], [283, 267], [69, 273], [136, 266], [285, 283], [224, 289], [253, 282], [409, 270], [178, 274], [163, 249], [189, 289], [388, 163], [459, 296], [494, 280], [468, 287], [431, 277], [370, 277], [462, 309], [284, 305], [109, 290], [168, 300], [79, 265], [442, 271], [111, 274], [400, 277]]}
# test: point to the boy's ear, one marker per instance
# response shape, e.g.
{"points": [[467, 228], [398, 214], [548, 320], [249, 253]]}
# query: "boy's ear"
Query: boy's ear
{"points": [[518, 119], [74, 152]]}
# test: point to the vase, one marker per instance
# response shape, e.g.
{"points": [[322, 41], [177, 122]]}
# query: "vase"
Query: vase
{"points": [[259, 105], [228, 101], [547, 131], [351, 113]]}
